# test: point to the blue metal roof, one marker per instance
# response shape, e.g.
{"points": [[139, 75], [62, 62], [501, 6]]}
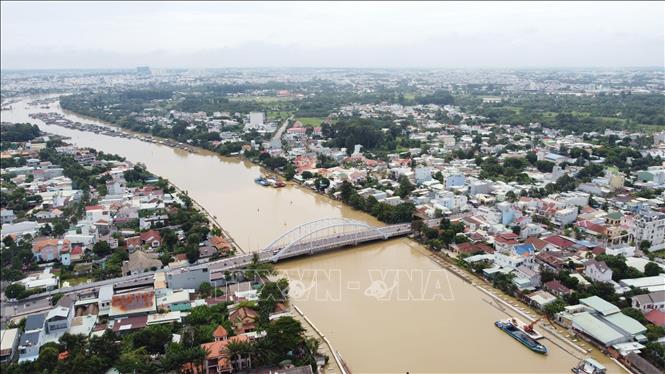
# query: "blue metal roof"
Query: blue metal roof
{"points": [[523, 249]]}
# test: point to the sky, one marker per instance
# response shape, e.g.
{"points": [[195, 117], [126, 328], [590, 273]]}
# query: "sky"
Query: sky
{"points": [[43, 35]]}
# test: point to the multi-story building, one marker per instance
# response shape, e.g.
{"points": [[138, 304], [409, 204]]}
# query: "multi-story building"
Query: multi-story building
{"points": [[650, 226]]}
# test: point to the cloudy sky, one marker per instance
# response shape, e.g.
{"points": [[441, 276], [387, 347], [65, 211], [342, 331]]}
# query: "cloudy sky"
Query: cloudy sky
{"points": [[373, 34]]}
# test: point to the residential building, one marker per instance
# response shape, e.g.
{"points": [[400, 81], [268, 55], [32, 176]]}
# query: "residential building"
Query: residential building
{"points": [[140, 262], [557, 288], [8, 344], [104, 299], [48, 250], [175, 301], [650, 301], [598, 271], [650, 226], [7, 216], [565, 216], [187, 278], [133, 304], [58, 320], [217, 359], [31, 339], [243, 320]]}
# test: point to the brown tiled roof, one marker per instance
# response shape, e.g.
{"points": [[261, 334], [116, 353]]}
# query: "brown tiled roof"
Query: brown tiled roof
{"points": [[219, 242], [150, 235], [137, 322], [220, 332]]}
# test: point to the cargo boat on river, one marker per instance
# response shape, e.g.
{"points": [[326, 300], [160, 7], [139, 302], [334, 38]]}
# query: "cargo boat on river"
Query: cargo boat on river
{"points": [[521, 336]]}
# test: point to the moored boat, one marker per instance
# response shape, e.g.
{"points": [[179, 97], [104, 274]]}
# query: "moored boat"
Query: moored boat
{"points": [[262, 181], [525, 327], [589, 366], [521, 336]]}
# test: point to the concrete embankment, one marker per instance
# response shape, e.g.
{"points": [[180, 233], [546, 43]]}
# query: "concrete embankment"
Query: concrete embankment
{"points": [[212, 219], [335, 363]]}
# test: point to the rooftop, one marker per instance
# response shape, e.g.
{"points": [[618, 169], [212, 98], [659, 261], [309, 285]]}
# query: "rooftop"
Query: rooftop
{"points": [[134, 302], [601, 306]]}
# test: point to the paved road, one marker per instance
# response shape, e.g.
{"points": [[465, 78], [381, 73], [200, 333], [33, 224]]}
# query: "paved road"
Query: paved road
{"points": [[276, 140]]}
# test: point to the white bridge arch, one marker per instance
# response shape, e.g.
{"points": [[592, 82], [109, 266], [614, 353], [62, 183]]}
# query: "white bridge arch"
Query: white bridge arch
{"points": [[322, 234]]}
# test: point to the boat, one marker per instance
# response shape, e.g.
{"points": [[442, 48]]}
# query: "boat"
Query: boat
{"points": [[280, 184], [525, 327], [589, 366], [262, 181], [521, 336]]}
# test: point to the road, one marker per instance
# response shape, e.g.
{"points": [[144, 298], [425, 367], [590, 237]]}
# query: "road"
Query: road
{"points": [[276, 140], [41, 301]]}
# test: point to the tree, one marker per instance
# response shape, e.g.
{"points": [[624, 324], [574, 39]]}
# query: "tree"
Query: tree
{"points": [[544, 166], [241, 349], [289, 171], [283, 334], [554, 307], [405, 187], [48, 358], [102, 248], [652, 269], [322, 183], [510, 196], [205, 289], [178, 355], [346, 191], [192, 254], [306, 174], [134, 361], [645, 245], [152, 338], [15, 291]]}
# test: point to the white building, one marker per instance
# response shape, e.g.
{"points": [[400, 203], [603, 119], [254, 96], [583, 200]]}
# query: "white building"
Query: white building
{"points": [[104, 299], [598, 271], [7, 216], [256, 119], [423, 174], [650, 226], [650, 301], [565, 216]]}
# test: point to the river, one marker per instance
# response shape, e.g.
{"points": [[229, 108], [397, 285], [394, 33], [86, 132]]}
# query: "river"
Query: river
{"points": [[386, 307]]}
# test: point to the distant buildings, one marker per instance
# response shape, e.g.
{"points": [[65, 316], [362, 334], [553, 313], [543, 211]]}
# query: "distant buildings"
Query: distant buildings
{"points": [[256, 119]]}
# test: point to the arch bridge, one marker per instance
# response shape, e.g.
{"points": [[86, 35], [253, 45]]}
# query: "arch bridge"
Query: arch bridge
{"points": [[329, 233]]}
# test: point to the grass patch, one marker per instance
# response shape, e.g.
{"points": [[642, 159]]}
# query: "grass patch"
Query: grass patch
{"points": [[77, 280], [311, 121], [278, 115], [660, 253]]}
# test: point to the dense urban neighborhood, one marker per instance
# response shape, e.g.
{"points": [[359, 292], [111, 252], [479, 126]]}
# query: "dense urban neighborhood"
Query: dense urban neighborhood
{"points": [[71, 216], [548, 186]]}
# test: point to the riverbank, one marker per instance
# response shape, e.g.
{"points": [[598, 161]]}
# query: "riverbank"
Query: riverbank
{"points": [[501, 301], [335, 364], [372, 335]]}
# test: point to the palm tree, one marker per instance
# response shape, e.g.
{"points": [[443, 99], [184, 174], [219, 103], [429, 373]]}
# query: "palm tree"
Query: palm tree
{"points": [[240, 350]]}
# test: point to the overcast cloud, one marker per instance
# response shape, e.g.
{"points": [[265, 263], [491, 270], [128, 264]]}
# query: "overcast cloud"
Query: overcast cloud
{"points": [[169, 34]]}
